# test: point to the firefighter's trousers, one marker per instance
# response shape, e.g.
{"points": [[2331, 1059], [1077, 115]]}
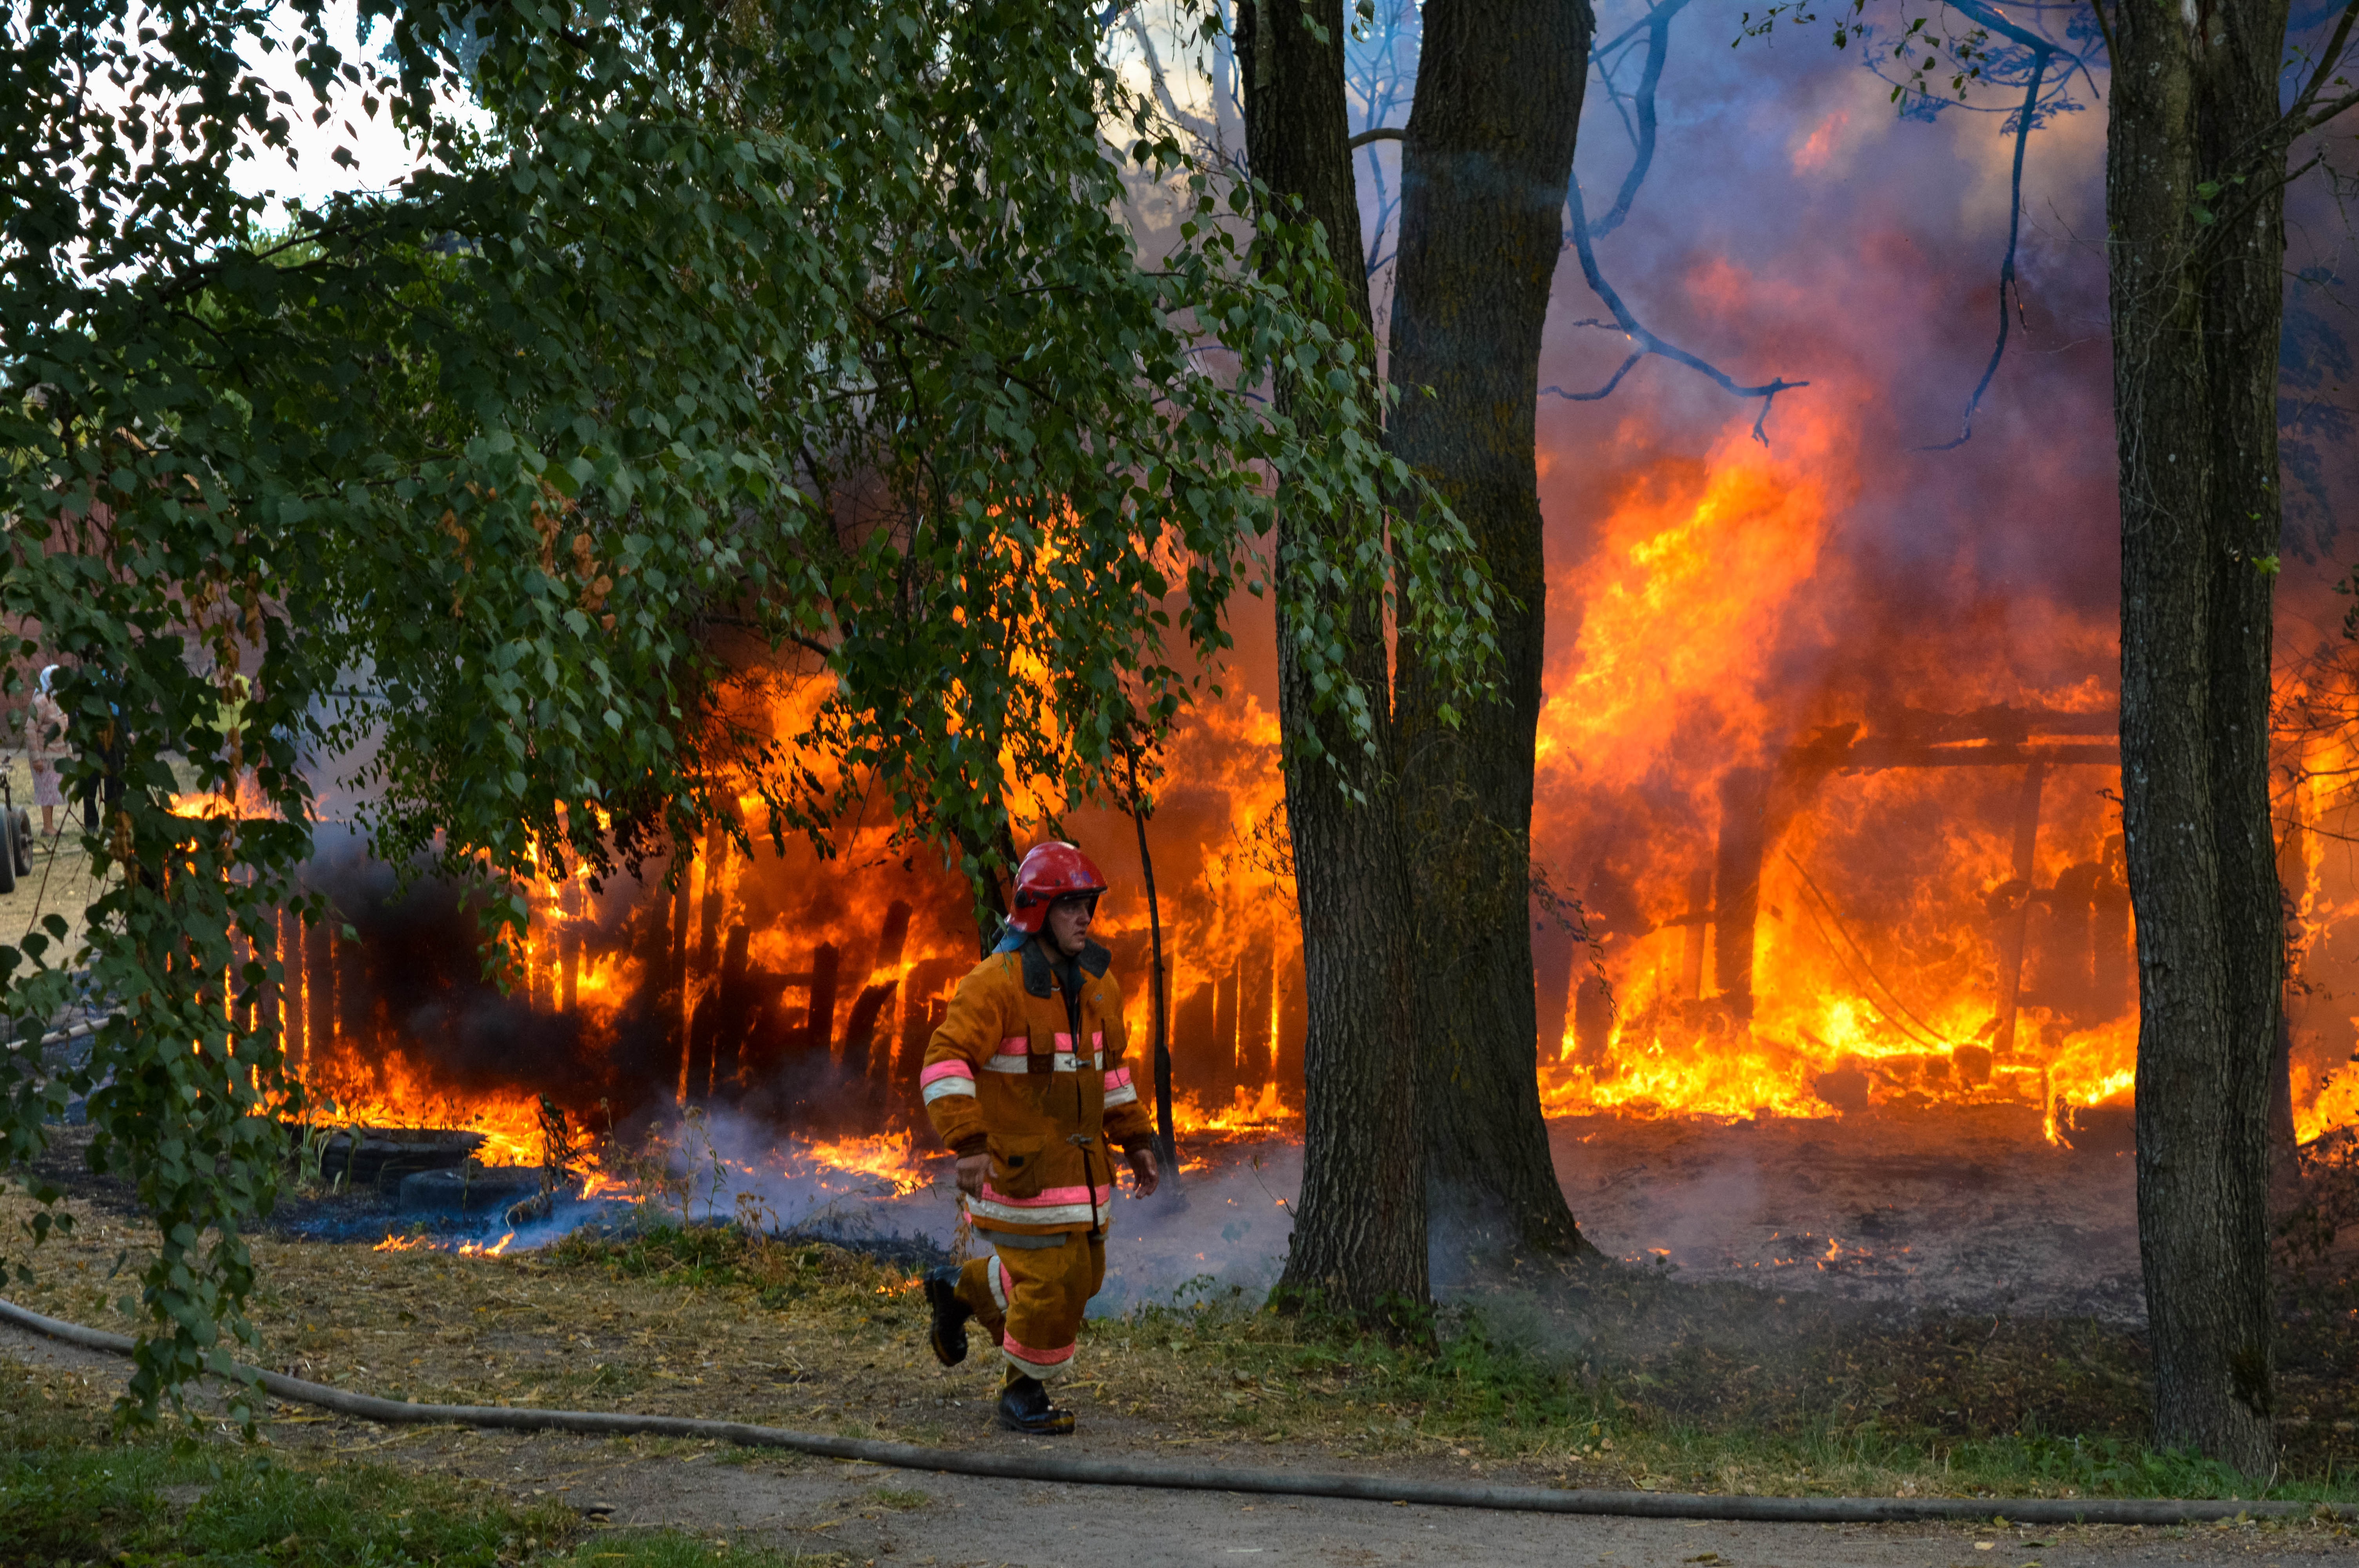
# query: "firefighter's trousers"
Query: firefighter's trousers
{"points": [[1031, 1298]]}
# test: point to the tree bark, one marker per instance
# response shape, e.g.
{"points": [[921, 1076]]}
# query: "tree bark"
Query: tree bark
{"points": [[1484, 165], [2196, 301], [1359, 1241]]}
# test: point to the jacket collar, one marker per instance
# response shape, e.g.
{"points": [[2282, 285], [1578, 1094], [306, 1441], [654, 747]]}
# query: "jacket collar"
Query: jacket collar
{"points": [[1037, 977]]}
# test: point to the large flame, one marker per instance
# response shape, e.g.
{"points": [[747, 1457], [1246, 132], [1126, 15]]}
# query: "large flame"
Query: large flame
{"points": [[1789, 864]]}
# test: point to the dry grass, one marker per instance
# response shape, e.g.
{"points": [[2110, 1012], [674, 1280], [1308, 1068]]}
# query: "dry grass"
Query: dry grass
{"points": [[816, 1339]]}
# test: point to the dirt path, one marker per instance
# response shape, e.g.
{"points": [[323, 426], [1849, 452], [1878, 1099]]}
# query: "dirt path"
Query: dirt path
{"points": [[926, 1520]]}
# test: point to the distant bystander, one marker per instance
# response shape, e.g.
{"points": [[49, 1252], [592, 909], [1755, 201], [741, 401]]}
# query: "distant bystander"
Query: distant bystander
{"points": [[45, 743]]}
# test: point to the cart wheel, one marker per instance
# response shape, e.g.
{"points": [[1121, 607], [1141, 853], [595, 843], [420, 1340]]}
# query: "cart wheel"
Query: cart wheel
{"points": [[8, 853], [24, 842]]}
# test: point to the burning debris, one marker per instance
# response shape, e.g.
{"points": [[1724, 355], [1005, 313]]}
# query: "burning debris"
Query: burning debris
{"points": [[1833, 990], [1918, 910]]}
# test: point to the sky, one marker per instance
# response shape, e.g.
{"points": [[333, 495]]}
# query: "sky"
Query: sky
{"points": [[308, 170]]}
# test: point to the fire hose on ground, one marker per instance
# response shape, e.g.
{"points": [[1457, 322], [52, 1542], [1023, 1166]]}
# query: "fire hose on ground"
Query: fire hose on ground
{"points": [[1044, 1468]]}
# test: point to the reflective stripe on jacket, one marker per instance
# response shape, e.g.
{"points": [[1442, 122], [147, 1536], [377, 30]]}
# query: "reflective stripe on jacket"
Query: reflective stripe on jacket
{"points": [[1005, 1074]]}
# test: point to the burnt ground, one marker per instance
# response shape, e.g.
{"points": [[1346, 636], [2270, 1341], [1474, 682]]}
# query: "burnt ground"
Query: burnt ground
{"points": [[1967, 1209]]}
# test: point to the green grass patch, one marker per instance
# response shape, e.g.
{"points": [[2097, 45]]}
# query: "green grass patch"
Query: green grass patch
{"points": [[71, 1493], [711, 1257]]}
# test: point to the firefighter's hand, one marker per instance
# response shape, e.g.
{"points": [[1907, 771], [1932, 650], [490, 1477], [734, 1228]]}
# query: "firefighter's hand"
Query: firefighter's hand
{"points": [[1144, 1176], [972, 1170]]}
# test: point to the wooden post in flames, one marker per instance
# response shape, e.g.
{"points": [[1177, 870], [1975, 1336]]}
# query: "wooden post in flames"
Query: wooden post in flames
{"points": [[1222, 1078], [262, 945], [1692, 934], [1166, 1144], [818, 1028], [2018, 920], [716, 857], [1744, 837], [569, 944], [1293, 1027], [1254, 1055], [319, 984], [290, 990], [866, 1068], [676, 1023]]}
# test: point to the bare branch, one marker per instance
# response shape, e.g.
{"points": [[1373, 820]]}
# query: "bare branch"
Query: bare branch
{"points": [[1603, 391], [1657, 23], [1379, 134], [2298, 110], [2105, 31], [2025, 118], [2334, 106], [1648, 343], [2043, 52], [1162, 89]]}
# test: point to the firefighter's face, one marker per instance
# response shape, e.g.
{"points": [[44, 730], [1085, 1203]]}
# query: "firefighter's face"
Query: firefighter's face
{"points": [[1069, 921]]}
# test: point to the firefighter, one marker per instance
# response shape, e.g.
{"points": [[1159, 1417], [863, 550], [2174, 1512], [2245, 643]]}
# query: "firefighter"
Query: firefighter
{"points": [[1024, 1080]]}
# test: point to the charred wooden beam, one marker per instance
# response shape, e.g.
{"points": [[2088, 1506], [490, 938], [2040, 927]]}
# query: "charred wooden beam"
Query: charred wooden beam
{"points": [[716, 857], [1875, 751], [893, 940], [1191, 1047], [860, 1055], [819, 1027], [2112, 965], [569, 946], [260, 1005], [2058, 968], [732, 1014], [1736, 878], [1556, 957], [1293, 1033], [861, 1061], [319, 986], [1592, 1021], [675, 1006], [696, 1074], [1253, 1056], [1221, 1079], [294, 1039], [922, 1014], [2016, 923], [1692, 939], [1998, 722], [381, 1157]]}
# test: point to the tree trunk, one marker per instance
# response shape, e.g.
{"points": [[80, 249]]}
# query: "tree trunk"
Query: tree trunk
{"points": [[1359, 1231], [1483, 170], [2196, 301]]}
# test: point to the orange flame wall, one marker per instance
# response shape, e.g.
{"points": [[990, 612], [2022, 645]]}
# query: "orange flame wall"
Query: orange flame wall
{"points": [[1805, 861], [1824, 759], [1810, 881]]}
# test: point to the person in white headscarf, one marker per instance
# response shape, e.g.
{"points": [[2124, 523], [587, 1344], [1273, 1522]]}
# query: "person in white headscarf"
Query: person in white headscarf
{"points": [[45, 743]]}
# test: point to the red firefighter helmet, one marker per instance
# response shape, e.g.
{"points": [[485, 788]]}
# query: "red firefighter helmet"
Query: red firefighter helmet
{"points": [[1049, 872]]}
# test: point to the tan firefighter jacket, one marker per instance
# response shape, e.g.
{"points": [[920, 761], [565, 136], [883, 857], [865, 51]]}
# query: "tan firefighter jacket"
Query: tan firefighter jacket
{"points": [[1009, 1073]]}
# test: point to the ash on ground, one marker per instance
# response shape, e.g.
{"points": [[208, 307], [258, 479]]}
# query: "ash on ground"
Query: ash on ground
{"points": [[1964, 1210]]}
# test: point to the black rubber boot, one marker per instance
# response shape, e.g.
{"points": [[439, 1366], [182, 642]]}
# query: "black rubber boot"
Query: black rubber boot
{"points": [[948, 1333], [1023, 1407]]}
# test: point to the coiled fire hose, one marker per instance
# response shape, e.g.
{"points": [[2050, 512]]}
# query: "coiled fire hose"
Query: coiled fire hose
{"points": [[1028, 1466]]}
